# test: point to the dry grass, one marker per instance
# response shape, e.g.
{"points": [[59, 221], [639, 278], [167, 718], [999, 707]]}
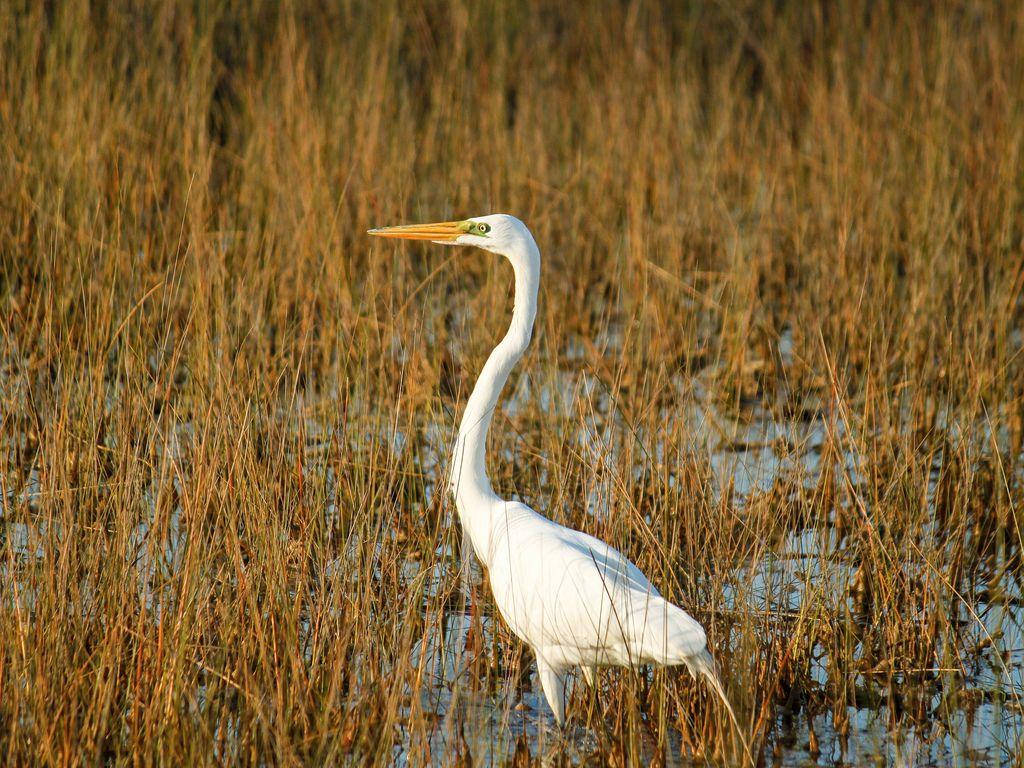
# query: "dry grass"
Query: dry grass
{"points": [[224, 411]]}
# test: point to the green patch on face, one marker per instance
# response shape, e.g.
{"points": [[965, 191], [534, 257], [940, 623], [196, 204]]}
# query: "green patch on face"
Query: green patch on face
{"points": [[478, 228]]}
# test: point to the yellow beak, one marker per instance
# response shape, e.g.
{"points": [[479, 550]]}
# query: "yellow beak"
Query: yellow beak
{"points": [[442, 231]]}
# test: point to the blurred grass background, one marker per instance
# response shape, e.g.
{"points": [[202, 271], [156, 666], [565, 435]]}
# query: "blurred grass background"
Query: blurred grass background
{"points": [[223, 408]]}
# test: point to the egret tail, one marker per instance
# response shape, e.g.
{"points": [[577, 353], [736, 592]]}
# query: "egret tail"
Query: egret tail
{"points": [[704, 665]]}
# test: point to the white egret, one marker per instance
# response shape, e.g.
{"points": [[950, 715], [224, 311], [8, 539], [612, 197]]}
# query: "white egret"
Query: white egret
{"points": [[575, 600]]}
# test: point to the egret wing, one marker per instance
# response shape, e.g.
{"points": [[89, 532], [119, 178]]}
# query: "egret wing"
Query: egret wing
{"points": [[582, 600]]}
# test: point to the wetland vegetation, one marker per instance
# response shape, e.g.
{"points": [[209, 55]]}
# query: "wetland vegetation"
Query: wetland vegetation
{"points": [[778, 363]]}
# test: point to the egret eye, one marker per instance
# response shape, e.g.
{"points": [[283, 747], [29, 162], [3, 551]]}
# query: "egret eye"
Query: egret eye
{"points": [[483, 228]]}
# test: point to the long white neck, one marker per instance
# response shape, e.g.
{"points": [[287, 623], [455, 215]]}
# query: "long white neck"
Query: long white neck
{"points": [[468, 480]]}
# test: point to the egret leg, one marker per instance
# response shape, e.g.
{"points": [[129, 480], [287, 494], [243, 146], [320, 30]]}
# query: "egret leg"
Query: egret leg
{"points": [[553, 683], [590, 674], [466, 564]]}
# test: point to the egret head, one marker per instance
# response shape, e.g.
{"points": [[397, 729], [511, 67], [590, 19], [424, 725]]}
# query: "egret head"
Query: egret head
{"points": [[500, 233]]}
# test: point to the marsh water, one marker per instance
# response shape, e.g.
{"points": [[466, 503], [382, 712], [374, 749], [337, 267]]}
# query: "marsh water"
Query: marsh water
{"points": [[747, 452]]}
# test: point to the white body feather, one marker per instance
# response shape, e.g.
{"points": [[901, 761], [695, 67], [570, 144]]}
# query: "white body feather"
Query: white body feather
{"points": [[577, 602]]}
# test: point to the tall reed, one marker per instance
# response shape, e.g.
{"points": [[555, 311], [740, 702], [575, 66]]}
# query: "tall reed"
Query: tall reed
{"points": [[778, 363]]}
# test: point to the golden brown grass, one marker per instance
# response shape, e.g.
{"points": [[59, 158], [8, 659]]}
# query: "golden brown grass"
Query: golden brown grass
{"points": [[224, 411]]}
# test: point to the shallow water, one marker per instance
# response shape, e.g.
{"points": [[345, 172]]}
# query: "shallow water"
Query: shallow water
{"points": [[984, 729]]}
